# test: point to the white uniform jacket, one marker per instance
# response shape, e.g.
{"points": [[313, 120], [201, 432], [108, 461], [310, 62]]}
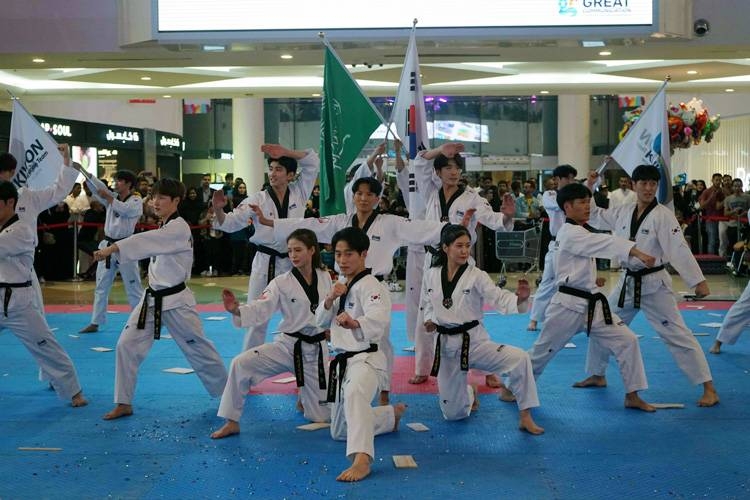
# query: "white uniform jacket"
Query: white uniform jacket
{"points": [[17, 241]]}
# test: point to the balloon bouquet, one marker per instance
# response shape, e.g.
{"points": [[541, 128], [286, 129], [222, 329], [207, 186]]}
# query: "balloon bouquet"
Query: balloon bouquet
{"points": [[689, 123]]}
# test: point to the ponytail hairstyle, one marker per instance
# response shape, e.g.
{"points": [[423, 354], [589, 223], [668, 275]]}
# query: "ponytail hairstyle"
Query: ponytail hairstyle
{"points": [[449, 234], [308, 238]]}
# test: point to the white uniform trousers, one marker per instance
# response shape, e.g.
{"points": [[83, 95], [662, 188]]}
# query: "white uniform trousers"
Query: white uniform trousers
{"points": [[736, 319], [32, 330], [39, 305], [256, 335], [547, 287], [353, 417], [663, 315], [617, 338], [457, 397], [414, 272], [186, 329], [252, 367], [131, 280]]}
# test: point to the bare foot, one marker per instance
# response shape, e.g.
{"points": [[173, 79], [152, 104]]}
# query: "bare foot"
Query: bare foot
{"points": [[120, 410], [385, 398], [716, 348], [418, 379], [230, 428], [359, 470], [493, 381], [526, 423], [532, 326], [398, 411], [592, 381], [634, 401], [475, 404], [299, 406], [78, 400], [506, 395], [92, 328], [710, 397]]}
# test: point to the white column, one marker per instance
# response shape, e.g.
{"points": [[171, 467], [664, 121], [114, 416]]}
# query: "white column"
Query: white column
{"points": [[573, 132], [247, 137]]}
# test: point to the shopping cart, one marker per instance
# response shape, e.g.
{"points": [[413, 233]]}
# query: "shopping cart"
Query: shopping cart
{"points": [[520, 247]]}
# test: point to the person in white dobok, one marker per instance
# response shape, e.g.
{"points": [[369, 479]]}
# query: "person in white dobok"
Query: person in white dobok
{"points": [[655, 230], [735, 321], [167, 298], [373, 167], [579, 305], [284, 197], [358, 312], [19, 312], [562, 175], [123, 212], [301, 348], [624, 195], [387, 233], [438, 172], [454, 294]]}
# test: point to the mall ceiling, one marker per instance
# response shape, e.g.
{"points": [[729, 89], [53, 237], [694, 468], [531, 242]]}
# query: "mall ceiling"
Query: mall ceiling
{"points": [[716, 62]]}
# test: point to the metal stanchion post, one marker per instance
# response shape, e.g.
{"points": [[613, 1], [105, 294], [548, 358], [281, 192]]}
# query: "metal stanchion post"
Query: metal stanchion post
{"points": [[75, 277]]}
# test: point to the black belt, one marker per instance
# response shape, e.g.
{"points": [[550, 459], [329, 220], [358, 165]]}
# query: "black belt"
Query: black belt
{"points": [[593, 298], [158, 296], [637, 275], [454, 330], [379, 277], [272, 260], [9, 291], [299, 372], [339, 362], [110, 242], [431, 249]]}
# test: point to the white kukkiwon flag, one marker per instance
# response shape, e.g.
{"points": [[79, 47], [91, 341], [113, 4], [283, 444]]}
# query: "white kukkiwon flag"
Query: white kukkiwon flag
{"points": [[409, 117], [39, 161], [647, 143]]}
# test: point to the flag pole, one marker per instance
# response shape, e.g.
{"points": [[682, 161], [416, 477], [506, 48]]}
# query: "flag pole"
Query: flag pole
{"points": [[390, 120], [667, 79]]}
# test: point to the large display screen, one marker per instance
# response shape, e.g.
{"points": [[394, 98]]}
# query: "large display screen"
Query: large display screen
{"points": [[266, 15]]}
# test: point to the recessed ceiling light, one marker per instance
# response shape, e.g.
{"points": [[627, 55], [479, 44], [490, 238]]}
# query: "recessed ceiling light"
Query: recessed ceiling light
{"points": [[166, 96], [37, 60], [729, 90], [287, 56], [692, 72], [605, 53], [544, 91], [145, 78], [316, 95], [214, 48], [592, 43]]}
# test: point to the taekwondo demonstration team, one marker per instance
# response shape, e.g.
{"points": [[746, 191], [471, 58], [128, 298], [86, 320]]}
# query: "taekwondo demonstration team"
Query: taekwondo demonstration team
{"points": [[335, 332]]}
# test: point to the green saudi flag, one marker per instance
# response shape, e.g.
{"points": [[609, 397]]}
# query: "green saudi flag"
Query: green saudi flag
{"points": [[347, 120]]}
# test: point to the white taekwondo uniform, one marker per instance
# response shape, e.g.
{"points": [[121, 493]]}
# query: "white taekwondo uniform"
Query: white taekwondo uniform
{"points": [[658, 234], [271, 259], [352, 416], [575, 263], [453, 211], [20, 313], [456, 307], [122, 216], [300, 333], [171, 251], [547, 286]]}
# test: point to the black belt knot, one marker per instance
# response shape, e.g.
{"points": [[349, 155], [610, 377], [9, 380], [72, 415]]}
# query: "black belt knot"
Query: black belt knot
{"points": [[299, 372], [158, 296], [273, 254], [110, 242], [454, 330], [9, 291], [637, 281], [337, 369], [593, 298]]}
